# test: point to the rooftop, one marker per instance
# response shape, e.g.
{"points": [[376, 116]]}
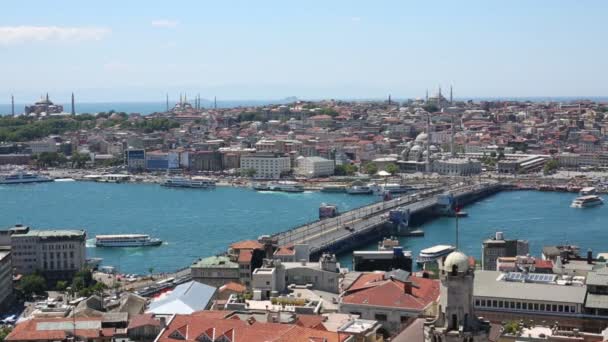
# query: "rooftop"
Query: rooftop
{"points": [[215, 262]]}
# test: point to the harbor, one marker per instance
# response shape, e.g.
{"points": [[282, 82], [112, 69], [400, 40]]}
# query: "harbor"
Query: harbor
{"points": [[188, 224]]}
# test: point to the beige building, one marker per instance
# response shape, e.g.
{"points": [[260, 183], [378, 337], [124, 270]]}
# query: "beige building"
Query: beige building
{"points": [[315, 167], [57, 254], [266, 165]]}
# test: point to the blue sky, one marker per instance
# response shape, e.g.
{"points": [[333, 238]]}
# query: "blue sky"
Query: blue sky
{"points": [[139, 50]]}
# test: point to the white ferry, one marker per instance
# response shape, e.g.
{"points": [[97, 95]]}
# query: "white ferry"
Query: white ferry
{"points": [[587, 191], [381, 189], [194, 182], [285, 186], [23, 177], [586, 201], [126, 240], [359, 190], [433, 253]]}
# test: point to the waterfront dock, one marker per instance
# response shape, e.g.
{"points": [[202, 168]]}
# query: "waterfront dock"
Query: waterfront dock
{"points": [[358, 226]]}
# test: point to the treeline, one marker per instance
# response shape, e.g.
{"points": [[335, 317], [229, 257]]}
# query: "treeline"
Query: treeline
{"points": [[25, 129], [18, 129]]}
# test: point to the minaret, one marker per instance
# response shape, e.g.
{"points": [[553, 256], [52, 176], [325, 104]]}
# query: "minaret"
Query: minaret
{"points": [[426, 98], [428, 144], [452, 147], [215, 102], [167, 101], [47, 97], [73, 106], [451, 98], [389, 99], [12, 105]]}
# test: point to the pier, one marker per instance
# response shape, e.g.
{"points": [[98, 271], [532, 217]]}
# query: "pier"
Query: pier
{"points": [[358, 226]]}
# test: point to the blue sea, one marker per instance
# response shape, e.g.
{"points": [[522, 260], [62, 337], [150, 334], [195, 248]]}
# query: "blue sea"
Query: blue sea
{"points": [[192, 223], [196, 223]]}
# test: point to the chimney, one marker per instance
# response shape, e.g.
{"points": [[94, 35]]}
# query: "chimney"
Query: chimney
{"points": [[589, 256]]}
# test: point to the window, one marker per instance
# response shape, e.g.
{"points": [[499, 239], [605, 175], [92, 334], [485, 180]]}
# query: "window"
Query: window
{"points": [[512, 305], [572, 308], [554, 308], [560, 308], [483, 302], [477, 302], [500, 303], [524, 306], [535, 306], [404, 319], [542, 307], [380, 317], [494, 303]]}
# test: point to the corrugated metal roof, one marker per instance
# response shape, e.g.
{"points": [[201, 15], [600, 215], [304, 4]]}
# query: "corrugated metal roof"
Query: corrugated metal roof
{"points": [[486, 285], [185, 299]]}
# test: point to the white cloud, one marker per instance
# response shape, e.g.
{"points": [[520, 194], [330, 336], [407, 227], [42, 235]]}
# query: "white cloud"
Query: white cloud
{"points": [[23, 34], [165, 23]]}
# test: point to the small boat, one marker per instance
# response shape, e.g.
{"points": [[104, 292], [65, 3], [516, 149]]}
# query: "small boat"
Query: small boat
{"points": [[587, 201], [23, 178], [387, 244], [194, 182], [126, 240]]}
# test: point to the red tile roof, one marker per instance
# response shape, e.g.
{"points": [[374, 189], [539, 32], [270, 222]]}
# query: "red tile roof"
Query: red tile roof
{"points": [[142, 320], [232, 286], [394, 293], [29, 330], [247, 244], [195, 326]]}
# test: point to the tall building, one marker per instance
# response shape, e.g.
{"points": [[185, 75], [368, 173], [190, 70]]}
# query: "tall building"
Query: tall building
{"points": [[315, 167], [56, 254], [498, 247], [456, 320]]}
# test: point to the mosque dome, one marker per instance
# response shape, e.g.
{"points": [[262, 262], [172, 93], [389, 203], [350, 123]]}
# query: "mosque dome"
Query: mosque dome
{"points": [[416, 148], [458, 259], [433, 148], [405, 153], [422, 137]]}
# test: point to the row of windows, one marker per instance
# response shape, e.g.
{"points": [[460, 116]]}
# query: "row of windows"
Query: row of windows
{"points": [[58, 254], [51, 265], [483, 303], [52, 247], [25, 253]]}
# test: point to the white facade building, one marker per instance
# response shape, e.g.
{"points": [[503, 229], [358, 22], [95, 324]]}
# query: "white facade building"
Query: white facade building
{"points": [[457, 167], [266, 166], [6, 277], [315, 167]]}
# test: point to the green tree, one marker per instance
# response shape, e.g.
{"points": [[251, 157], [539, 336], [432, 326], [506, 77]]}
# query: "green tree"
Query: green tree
{"points": [[61, 285], [4, 331], [512, 328], [370, 168], [550, 166], [345, 170], [79, 159], [45, 159], [33, 284], [391, 168], [247, 172]]}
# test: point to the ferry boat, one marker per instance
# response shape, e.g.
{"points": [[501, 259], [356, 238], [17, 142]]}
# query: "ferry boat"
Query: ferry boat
{"points": [[587, 191], [381, 189], [433, 253], [260, 186], [23, 177], [333, 188], [359, 190], [126, 240], [586, 201], [387, 244], [285, 186], [194, 182]]}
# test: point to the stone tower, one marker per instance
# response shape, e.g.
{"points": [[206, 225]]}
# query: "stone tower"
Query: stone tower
{"points": [[456, 320]]}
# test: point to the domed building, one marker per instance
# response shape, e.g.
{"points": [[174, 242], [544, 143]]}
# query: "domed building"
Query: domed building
{"points": [[44, 105], [456, 320], [416, 151]]}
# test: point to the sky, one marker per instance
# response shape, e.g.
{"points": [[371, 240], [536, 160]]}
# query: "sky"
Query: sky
{"points": [[140, 50]]}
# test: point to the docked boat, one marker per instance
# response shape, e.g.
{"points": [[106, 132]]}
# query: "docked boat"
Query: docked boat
{"points": [[359, 190], [260, 186], [381, 189], [194, 182], [286, 186], [587, 201], [433, 253], [587, 191], [387, 244], [126, 240], [333, 188], [23, 177]]}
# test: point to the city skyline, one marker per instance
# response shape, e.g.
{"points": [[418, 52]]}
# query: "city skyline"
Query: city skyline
{"points": [[273, 50]]}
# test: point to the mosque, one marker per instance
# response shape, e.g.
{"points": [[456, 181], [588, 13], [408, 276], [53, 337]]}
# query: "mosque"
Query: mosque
{"points": [[417, 150], [43, 106]]}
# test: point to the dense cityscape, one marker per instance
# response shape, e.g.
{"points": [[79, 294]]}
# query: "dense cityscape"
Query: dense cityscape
{"points": [[144, 199]]}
